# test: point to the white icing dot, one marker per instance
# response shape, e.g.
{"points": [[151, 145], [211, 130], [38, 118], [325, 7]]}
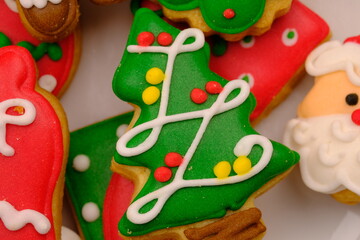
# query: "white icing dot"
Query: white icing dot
{"points": [[67, 234], [12, 5], [290, 37], [48, 82], [121, 130], [90, 212], [247, 42], [248, 77], [81, 163]]}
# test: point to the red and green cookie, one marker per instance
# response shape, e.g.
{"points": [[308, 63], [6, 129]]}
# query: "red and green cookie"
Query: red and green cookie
{"points": [[88, 176], [172, 151], [33, 151], [56, 62]]}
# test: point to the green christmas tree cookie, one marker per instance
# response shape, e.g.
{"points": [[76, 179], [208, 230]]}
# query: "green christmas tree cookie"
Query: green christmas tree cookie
{"points": [[192, 152]]}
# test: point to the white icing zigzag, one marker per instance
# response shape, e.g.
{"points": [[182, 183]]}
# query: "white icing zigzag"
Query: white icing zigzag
{"points": [[21, 120], [37, 3], [242, 148], [15, 220]]}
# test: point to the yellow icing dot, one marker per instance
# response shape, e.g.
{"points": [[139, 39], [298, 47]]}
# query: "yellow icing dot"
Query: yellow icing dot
{"points": [[151, 95], [242, 165], [222, 169], [155, 76]]}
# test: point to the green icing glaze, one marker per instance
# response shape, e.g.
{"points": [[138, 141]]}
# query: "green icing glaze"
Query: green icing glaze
{"points": [[98, 143], [193, 204], [219, 46], [4, 40], [53, 50], [247, 12], [136, 5]]}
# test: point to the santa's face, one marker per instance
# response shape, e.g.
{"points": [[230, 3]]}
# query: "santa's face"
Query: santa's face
{"points": [[329, 150], [331, 94]]}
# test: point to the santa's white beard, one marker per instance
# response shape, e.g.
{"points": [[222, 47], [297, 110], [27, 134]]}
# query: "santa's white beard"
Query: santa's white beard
{"points": [[329, 147]]}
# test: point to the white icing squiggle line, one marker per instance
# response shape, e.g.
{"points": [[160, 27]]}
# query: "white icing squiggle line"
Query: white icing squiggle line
{"points": [[21, 120], [15, 220], [243, 147]]}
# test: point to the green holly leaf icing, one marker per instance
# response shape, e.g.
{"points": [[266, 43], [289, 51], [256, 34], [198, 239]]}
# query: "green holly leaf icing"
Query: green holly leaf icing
{"points": [[209, 133], [247, 12], [53, 50]]}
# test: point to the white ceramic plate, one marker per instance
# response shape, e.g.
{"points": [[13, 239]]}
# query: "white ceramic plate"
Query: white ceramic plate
{"points": [[290, 210]]}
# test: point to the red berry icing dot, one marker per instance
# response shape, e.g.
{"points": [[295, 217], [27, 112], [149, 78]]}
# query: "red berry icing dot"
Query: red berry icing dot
{"points": [[145, 39], [355, 117], [213, 87], [229, 13], [198, 96], [162, 174], [173, 159], [164, 39]]}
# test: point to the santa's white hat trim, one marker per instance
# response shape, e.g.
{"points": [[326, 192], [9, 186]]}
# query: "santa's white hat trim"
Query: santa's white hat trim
{"points": [[335, 56]]}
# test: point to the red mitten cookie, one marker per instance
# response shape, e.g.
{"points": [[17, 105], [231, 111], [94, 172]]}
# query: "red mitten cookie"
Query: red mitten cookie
{"points": [[33, 152]]}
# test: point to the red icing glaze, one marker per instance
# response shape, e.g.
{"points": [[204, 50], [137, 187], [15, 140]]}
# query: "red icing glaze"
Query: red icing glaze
{"points": [[229, 13], [28, 178], [162, 174], [355, 39], [150, 5], [213, 87], [198, 96], [11, 26], [117, 200], [271, 63], [173, 159], [145, 39], [355, 117], [164, 39]]}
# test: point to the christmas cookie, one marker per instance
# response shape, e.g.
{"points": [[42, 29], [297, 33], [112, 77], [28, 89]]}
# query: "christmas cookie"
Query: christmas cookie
{"points": [[33, 152], [196, 162], [273, 62], [49, 21], [56, 62], [327, 132], [88, 176], [232, 20]]}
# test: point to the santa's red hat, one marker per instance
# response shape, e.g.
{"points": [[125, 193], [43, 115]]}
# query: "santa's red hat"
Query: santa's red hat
{"points": [[336, 56]]}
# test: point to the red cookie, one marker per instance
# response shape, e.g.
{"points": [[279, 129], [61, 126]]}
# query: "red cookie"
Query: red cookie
{"points": [[33, 152]]}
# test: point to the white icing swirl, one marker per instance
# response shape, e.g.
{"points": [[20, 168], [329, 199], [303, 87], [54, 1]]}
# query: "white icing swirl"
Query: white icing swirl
{"points": [[21, 120], [329, 149], [37, 3], [15, 220]]}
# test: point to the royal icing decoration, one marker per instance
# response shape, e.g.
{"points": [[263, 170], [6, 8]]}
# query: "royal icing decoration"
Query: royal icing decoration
{"points": [[189, 129], [15, 220], [121, 130], [90, 212], [37, 3], [48, 82], [327, 166], [81, 163], [11, 5], [21, 120], [335, 56], [67, 234]]}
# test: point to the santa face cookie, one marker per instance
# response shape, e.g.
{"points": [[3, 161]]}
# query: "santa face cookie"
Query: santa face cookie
{"points": [[56, 62], [33, 152], [89, 179], [191, 151], [327, 132], [274, 62], [232, 19]]}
